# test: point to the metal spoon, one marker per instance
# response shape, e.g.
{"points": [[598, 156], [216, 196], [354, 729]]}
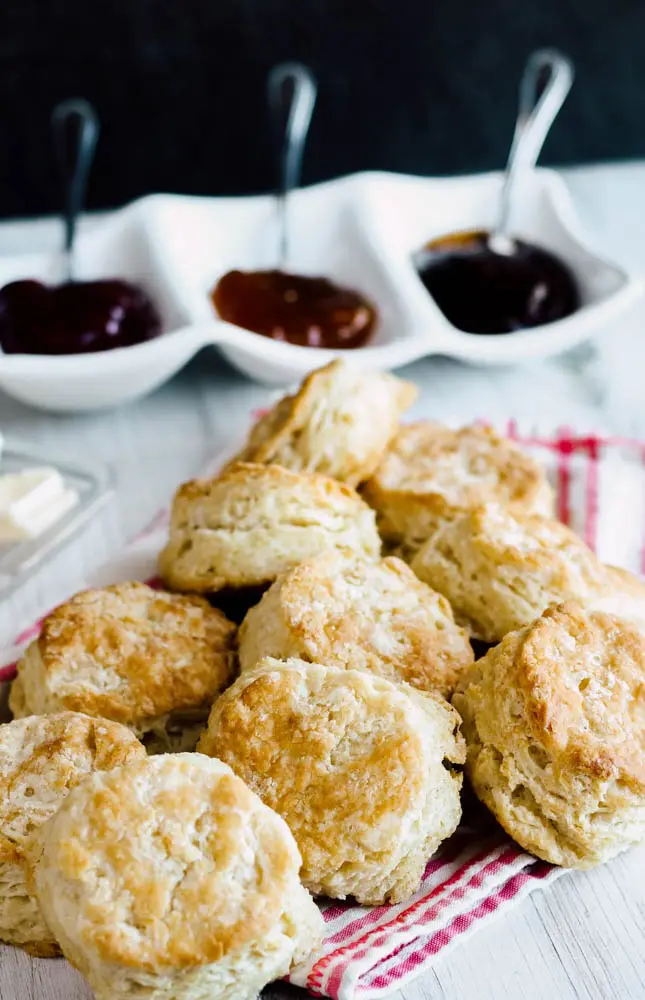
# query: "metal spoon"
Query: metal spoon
{"points": [[546, 81], [75, 131], [292, 91]]}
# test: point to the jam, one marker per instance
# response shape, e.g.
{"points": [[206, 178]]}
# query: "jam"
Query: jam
{"points": [[310, 312], [74, 318], [481, 290]]}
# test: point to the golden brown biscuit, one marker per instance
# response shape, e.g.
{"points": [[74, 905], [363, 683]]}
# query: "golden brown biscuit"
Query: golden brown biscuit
{"points": [[429, 471], [359, 768], [169, 878], [346, 611], [41, 759], [554, 719], [499, 571], [254, 522], [151, 660], [339, 423]]}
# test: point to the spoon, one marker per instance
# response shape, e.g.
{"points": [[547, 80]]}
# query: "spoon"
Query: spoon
{"points": [[546, 81], [75, 131], [299, 309], [291, 92], [74, 317], [489, 281]]}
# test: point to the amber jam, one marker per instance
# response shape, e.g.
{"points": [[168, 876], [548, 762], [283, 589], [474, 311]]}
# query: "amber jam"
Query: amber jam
{"points": [[480, 290], [310, 312], [74, 318]]}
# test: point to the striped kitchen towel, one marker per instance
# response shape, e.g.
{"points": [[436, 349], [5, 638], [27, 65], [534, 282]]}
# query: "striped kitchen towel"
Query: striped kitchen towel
{"points": [[479, 873]]}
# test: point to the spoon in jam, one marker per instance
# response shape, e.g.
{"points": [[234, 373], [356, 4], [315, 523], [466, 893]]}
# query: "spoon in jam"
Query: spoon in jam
{"points": [[75, 316], [74, 123], [492, 282], [299, 309], [290, 136]]}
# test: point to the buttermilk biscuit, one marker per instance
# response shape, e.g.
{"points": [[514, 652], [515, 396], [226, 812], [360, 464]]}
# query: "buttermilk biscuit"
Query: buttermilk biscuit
{"points": [[41, 759], [346, 611], [499, 571], [169, 878], [360, 769], [256, 521], [553, 719], [151, 660], [339, 423], [430, 470]]}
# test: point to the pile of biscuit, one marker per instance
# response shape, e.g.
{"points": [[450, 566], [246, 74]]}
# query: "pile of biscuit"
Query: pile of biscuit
{"points": [[174, 789]]}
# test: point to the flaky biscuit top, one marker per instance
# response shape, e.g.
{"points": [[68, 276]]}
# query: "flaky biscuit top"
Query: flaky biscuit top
{"points": [[343, 610], [316, 742], [579, 675], [583, 675], [252, 522], [466, 466], [248, 495], [42, 758], [500, 570], [128, 653], [338, 423], [168, 863], [430, 471]]}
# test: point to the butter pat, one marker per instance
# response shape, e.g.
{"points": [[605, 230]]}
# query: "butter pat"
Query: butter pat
{"points": [[31, 502]]}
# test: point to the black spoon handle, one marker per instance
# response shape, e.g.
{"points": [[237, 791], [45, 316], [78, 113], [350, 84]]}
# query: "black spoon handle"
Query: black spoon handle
{"points": [[75, 131]]}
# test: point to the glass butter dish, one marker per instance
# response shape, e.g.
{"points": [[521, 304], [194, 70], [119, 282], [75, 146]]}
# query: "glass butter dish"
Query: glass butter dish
{"points": [[59, 498]]}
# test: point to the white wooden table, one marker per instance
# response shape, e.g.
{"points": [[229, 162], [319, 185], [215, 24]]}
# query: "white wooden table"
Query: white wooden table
{"points": [[584, 939]]}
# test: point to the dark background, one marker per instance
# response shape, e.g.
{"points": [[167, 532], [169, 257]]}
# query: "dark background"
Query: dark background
{"points": [[423, 87]]}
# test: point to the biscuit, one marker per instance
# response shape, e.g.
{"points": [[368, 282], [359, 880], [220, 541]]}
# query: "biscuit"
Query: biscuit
{"points": [[345, 611], [359, 768], [430, 471], [169, 878], [338, 423], [151, 660], [254, 522], [41, 759], [499, 571], [553, 719]]}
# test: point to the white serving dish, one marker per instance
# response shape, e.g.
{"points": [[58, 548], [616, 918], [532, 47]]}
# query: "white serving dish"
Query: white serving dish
{"points": [[360, 230]]}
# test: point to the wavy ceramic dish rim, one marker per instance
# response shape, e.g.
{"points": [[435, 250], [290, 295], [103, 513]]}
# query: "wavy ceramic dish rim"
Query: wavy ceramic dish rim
{"points": [[278, 362]]}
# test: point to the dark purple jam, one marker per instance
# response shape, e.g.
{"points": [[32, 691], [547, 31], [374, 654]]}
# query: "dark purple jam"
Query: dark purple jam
{"points": [[480, 290], [74, 318]]}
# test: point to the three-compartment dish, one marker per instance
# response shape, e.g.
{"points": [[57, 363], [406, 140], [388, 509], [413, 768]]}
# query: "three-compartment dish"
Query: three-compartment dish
{"points": [[381, 268], [367, 229]]}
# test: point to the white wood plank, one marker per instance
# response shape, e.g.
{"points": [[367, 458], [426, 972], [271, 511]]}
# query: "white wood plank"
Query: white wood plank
{"points": [[25, 978]]}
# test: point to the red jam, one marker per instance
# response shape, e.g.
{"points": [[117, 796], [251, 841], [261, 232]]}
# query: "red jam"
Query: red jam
{"points": [[74, 318], [310, 312], [480, 290]]}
